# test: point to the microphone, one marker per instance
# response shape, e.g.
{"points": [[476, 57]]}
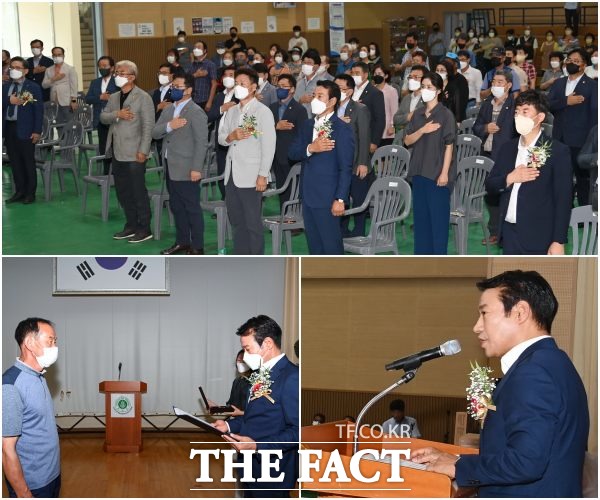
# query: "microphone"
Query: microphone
{"points": [[120, 366], [415, 360]]}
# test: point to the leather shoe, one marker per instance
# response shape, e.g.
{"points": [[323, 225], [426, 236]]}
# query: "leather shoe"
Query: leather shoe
{"points": [[28, 200], [176, 248], [195, 251], [15, 197]]}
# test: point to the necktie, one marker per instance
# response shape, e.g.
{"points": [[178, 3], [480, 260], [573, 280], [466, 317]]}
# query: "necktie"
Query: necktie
{"points": [[12, 109]]}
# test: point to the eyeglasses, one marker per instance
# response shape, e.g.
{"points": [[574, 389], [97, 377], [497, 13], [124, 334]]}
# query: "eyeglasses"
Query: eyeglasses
{"points": [[178, 88], [282, 87], [122, 73], [569, 60]]}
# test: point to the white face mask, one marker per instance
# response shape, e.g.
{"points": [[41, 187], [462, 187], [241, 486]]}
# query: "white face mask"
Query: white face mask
{"points": [[120, 81], [241, 93], [555, 64], [372, 52], [362, 54], [278, 59], [261, 80], [344, 56], [296, 34], [228, 82], [321, 70], [181, 39], [254, 361], [428, 95], [16, 74], [471, 34], [220, 51], [242, 367], [498, 92], [357, 80], [170, 59], [443, 75], [317, 107], [463, 64], [524, 124], [48, 358], [58, 59], [295, 57], [316, 422], [307, 69], [353, 46], [594, 60], [163, 79], [198, 52], [227, 62], [413, 84], [36, 52], [527, 32]]}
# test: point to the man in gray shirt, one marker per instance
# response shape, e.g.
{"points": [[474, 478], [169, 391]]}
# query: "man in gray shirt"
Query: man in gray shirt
{"points": [[400, 425], [30, 448]]}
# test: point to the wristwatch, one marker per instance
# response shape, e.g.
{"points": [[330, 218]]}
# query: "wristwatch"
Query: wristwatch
{"points": [[340, 200]]}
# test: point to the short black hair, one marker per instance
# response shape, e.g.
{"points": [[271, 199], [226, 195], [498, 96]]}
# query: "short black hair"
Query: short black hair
{"points": [[533, 98], [590, 35], [260, 68], [397, 405], [419, 67], [421, 54], [350, 418], [231, 67], [354, 40], [312, 54], [290, 78], [464, 53], [520, 47], [57, 47], [250, 73], [528, 286], [19, 59], [110, 60], [364, 67], [435, 79], [188, 79], [181, 32], [333, 90], [175, 52], [296, 28], [29, 325], [233, 28], [319, 415], [37, 40], [168, 65], [578, 50], [463, 36], [377, 52], [251, 48], [412, 34], [449, 67], [350, 83], [556, 53], [6, 52], [261, 327]]}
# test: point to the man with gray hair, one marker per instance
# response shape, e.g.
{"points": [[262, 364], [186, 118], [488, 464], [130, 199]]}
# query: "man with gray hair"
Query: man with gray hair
{"points": [[130, 115]]}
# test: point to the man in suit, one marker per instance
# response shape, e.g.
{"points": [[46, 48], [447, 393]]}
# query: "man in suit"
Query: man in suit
{"points": [[222, 103], [266, 93], [359, 118], [372, 98], [37, 66], [21, 128], [536, 427], [249, 132], [574, 103], [535, 194], [289, 115], [161, 96], [308, 79], [495, 126], [325, 146], [130, 115], [183, 128], [98, 94], [61, 79], [271, 418]]}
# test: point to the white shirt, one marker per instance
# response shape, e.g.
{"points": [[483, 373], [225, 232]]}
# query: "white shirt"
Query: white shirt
{"points": [[272, 362], [414, 100], [591, 71], [571, 84], [104, 84], [228, 96], [511, 356], [163, 91], [359, 90], [318, 123], [522, 159], [475, 81]]}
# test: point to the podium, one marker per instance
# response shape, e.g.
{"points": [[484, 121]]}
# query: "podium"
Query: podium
{"points": [[123, 404], [340, 436]]}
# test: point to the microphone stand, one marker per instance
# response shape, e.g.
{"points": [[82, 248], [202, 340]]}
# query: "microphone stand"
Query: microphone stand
{"points": [[406, 378]]}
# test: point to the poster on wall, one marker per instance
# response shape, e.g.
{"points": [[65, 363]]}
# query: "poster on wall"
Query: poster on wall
{"points": [[271, 24], [207, 25], [178, 25], [314, 23], [227, 24], [337, 32], [126, 29], [196, 25], [110, 276], [247, 26], [217, 25], [145, 29]]}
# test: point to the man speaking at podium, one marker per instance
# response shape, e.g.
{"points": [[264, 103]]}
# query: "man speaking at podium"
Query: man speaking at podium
{"points": [[534, 436], [271, 419]]}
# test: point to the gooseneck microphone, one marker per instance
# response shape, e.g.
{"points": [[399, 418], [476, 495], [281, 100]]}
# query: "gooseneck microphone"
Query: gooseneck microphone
{"points": [[415, 360], [120, 366]]}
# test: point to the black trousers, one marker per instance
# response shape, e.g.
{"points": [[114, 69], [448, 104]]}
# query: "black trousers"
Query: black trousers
{"points": [[281, 171], [102, 136], [244, 207], [221, 152], [21, 154], [572, 19], [51, 490], [184, 200], [130, 185], [511, 244], [582, 179]]}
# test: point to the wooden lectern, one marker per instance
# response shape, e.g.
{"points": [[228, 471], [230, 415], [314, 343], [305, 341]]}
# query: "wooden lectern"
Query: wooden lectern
{"points": [[123, 415], [340, 436]]}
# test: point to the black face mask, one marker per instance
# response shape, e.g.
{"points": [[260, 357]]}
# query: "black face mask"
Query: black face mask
{"points": [[233, 35], [104, 71], [572, 68], [378, 79], [410, 46], [508, 61], [436, 28], [461, 45], [495, 62]]}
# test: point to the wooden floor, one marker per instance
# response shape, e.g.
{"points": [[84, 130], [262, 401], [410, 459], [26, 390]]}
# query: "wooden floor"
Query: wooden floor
{"points": [[162, 469]]}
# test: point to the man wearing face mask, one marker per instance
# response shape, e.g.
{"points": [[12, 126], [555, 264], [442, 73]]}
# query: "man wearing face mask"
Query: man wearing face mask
{"points": [[574, 103], [473, 77], [222, 103], [162, 95], [184, 49], [437, 46], [529, 43], [249, 131], [525, 65], [205, 76], [535, 192], [289, 115], [21, 128], [61, 79], [325, 146], [37, 65], [130, 116], [498, 62], [266, 93], [298, 40], [271, 417], [372, 98], [234, 41], [412, 46], [98, 94], [346, 62], [307, 82], [30, 445], [217, 59]]}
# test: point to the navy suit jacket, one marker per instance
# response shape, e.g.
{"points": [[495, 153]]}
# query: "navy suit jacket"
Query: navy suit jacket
{"points": [[372, 97], [573, 123], [326, 176], [93, 96], [275, 426], [156, 100], [506, 122], [29, 117], [294, 113], [214, 116], [544, 205], [39, 77], [533, 444]]}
